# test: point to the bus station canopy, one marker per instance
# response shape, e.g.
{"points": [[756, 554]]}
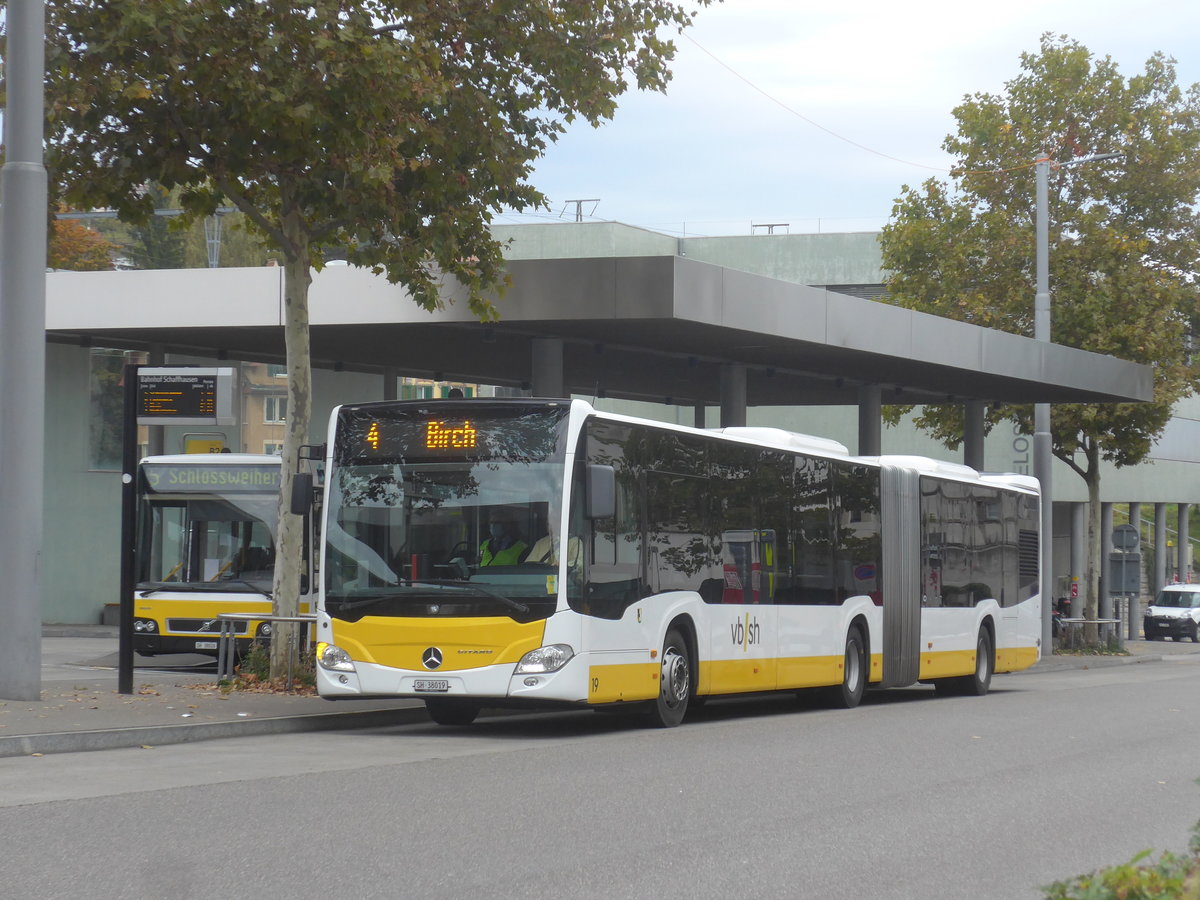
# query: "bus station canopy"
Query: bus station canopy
{"points": [[659, 328]]}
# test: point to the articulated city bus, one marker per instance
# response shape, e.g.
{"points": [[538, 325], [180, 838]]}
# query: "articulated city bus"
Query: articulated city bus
{"points": [[205, 546], [647, 566]]}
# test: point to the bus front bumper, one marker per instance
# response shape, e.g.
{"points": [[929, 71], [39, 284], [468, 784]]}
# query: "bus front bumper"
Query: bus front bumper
{"points": [[155, 644], [497, 682]]}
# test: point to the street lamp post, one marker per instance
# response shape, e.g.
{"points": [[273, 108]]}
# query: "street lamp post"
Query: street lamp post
{"points": [[1043, 456], [22, 353]]}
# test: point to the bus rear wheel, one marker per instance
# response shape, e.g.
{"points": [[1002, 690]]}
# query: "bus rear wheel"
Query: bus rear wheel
{"points": [[451, 712], [978, 683], [675, 683], [850, 692]]}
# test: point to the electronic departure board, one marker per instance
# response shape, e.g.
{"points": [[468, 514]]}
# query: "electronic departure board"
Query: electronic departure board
{"points": [[185, 396], [458, 430]]}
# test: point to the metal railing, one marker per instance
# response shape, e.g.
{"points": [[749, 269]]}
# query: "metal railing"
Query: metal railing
{"points": [[227, 646]]}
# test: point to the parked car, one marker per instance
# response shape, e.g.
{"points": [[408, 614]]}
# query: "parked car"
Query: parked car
{"points": [[1174, 613]]}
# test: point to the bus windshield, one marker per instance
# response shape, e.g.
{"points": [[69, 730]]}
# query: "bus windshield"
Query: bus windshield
{"points": [[439, 512], [208, 528]]}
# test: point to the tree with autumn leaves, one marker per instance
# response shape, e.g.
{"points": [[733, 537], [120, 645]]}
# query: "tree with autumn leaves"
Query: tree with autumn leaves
{"points": [[74, 247], [389, 130], [1123, 242]]}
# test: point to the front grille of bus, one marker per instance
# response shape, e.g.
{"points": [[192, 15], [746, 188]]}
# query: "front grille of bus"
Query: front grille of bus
{"points": [[202, 626]]}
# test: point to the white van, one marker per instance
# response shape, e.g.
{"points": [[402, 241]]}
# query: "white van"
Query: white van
{"points": [[1174, 613]]}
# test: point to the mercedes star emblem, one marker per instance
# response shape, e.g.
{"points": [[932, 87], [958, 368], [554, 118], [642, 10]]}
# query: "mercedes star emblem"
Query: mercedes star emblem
{"points": [[432, 658]]}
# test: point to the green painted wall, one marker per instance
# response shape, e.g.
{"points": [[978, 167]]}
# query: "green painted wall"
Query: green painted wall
{"points": [[80, 566]]}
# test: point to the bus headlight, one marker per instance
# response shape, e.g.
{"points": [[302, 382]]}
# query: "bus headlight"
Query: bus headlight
{"points": [[550, 658], [334, 658], [145, 625]]}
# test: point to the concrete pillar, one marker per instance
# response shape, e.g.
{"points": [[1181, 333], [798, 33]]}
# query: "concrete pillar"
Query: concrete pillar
{"points": [[733, 395], [973, 414], [1135, 518], [1078, 562], [1135, 614], [1160, 548], [547, 366], [390, 376], [1106, 526], [1183, 562], [870, 407]]}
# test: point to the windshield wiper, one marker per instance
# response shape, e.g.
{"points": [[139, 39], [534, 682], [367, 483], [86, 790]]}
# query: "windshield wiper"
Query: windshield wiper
{"points": [[483, 592], [344, 604], [462, 586], [253, 587], [146, 592]]}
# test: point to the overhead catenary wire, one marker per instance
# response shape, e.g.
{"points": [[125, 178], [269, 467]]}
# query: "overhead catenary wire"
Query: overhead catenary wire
{"points": [[842, 137]]}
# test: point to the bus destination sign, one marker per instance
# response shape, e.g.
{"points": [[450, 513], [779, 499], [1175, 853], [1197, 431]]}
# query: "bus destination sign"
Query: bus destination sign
{"points": [[174, 478], [185, 396]]}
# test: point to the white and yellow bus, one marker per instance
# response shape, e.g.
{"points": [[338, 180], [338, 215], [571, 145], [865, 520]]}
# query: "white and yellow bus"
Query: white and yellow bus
{"points": [[205, 546], [660, 564]]}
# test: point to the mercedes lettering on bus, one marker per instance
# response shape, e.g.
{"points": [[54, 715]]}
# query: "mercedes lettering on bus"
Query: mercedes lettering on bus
{"points": [[540, 553]]}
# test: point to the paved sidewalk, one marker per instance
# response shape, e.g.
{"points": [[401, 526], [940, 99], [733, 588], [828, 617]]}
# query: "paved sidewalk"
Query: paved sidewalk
{"points": [[175, 699], [1139, 651]]}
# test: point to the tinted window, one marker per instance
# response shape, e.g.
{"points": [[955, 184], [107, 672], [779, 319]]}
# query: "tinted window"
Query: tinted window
{"points": [[977, 543]]}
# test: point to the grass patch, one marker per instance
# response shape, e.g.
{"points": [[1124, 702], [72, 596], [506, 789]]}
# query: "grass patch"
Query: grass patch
{"points": [[1169, 877]]}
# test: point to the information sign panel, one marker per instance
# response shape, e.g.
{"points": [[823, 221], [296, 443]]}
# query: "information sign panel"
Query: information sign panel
{"points": [[1125, 537], [185, 396]]}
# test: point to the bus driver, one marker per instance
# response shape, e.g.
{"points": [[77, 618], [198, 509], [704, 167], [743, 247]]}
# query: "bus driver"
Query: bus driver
{"points": [[504, 546]]}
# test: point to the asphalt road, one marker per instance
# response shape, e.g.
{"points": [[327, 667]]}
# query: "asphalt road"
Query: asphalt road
{"points": [[911, 795]]}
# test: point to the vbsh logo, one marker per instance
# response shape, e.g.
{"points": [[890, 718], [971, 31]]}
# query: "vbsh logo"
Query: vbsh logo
{"points": [[745, 633]]}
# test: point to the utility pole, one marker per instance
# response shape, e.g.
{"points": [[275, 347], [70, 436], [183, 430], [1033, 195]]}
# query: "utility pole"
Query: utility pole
{"points": [[1043, 445], [579, 207]]}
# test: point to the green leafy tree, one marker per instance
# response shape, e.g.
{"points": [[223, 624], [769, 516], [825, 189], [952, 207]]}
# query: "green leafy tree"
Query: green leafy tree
{"points": [[391, 130], [157, 242], [1123, 241]]}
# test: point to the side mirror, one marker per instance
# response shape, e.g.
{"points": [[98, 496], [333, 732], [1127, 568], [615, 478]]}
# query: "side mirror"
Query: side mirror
{"points": [[601, 490], [302, 493]]}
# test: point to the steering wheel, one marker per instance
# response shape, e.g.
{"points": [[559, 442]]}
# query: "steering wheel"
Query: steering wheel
{"points": [[461, 549]]}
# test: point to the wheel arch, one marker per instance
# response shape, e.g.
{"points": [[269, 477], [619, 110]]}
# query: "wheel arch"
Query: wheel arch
{"points": [[859, 621], [988, 623]]}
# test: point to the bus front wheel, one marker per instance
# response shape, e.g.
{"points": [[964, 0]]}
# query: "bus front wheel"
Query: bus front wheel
{"points": [[675, 683], [451, 712]]}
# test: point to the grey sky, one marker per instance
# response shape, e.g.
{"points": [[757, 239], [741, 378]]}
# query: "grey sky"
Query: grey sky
{"points": [[717, 154]]}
